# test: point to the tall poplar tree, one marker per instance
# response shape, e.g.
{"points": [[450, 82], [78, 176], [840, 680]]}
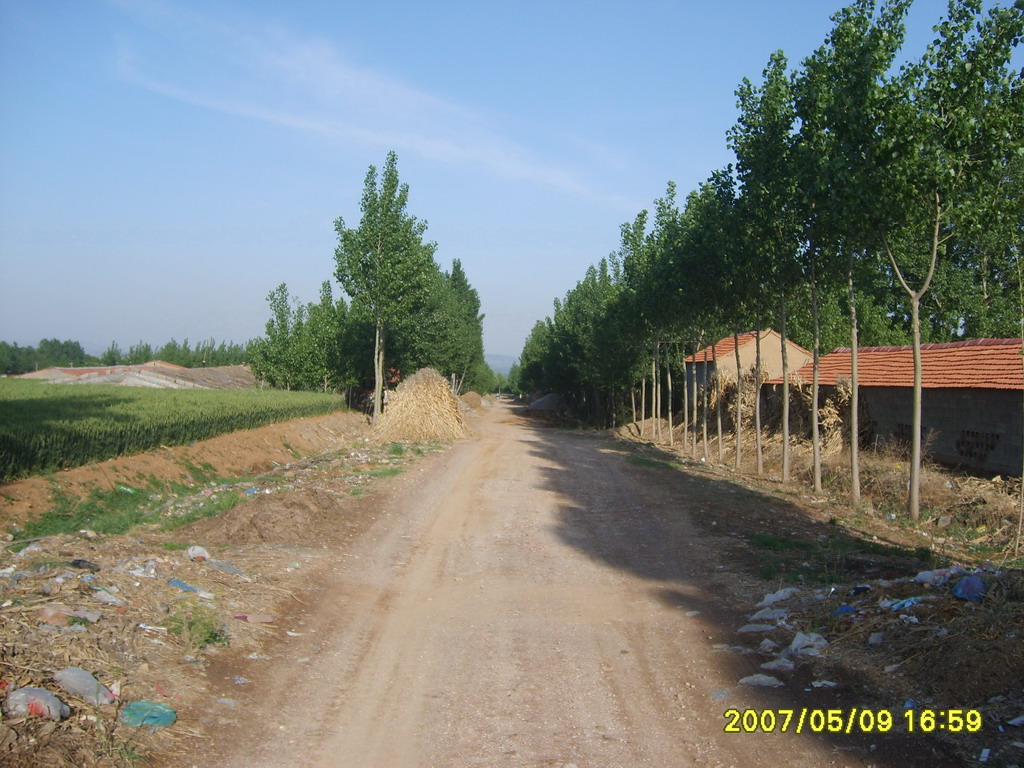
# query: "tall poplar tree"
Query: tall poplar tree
{"points": [[384, 265], [946, 129]]}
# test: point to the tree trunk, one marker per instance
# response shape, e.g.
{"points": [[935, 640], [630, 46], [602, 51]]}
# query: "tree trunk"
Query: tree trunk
{"points": [[632, 402], [704, 414], [668, 377], [854, 389], [378, 371], [785, 393], [686, 403], [758, 448], [815, 427], [718, 402], [739, 397], [914, 495], [656, 422], [643, 405]]}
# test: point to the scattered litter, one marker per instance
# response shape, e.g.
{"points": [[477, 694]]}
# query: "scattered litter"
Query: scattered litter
{"points": [[780, 664], [768, 646], [91, 616], [938, 578], [151, 713], [983, 757], [824, 684], [239, 680], [79, 682], [56, 614], [35, 701], [198, 553], [774, 597], [220, 565], [902, 605], [693, 613], [189, 588], [106, 596], [809, 644], [876, 638], [85, 565], [31, 549], [757, 628], [256, 618], [152, 628], [770, 614], [843, 610], [1017, 721], [972, 588], [766, 681]]}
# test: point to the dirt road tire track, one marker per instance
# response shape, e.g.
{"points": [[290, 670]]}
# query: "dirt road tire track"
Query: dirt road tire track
{"points": [[510, 607]]}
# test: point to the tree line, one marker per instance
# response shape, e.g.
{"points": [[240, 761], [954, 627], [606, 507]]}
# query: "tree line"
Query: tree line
{"points": [[49, 353], [404, 312], [875, 198]]}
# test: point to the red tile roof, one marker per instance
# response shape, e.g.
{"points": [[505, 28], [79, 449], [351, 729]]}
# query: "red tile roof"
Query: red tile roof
{"points": [[726, 347], [975, 364]]}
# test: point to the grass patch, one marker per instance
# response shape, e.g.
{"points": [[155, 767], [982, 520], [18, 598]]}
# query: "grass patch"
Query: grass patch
{"points": [[198, 626], [643, 461], [212, 506], [116, 511], [396, 449], [384, 472]]}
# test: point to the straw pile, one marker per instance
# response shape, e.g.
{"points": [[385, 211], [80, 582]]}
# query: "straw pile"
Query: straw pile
{"points": [[472, 399], [421, 408]]}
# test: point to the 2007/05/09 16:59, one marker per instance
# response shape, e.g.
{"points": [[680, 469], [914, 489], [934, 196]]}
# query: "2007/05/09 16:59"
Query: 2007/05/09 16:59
{"points": [[849, 721]]}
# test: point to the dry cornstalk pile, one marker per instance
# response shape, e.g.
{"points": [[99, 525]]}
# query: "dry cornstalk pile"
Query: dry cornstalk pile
{"points": [[421, 408], [472, 399]]}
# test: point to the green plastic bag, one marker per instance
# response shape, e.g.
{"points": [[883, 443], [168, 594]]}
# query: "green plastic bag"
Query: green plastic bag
{"points": [[151, 713]]}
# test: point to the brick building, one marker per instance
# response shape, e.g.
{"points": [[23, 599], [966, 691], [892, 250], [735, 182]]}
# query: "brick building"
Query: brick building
{"points": [[972, 399]]}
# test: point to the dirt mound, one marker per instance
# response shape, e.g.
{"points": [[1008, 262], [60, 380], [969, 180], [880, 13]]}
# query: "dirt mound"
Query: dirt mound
{"points": [[421, 408], [293, 518]]}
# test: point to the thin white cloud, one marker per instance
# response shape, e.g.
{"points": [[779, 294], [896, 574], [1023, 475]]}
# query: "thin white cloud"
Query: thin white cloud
{"points": [[307, 85]]}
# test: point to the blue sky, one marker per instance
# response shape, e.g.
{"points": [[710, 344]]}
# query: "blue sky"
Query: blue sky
{"points": [[164, 165]]}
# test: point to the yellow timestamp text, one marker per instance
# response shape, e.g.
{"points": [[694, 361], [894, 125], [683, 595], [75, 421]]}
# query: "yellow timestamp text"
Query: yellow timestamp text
{"points": [[853, 720]]}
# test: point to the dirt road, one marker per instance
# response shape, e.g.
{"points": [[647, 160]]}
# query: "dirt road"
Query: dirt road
{"points": [[530, 598]]}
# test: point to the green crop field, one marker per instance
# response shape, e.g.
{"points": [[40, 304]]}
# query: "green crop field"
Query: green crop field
{"points": [[46, 427]]}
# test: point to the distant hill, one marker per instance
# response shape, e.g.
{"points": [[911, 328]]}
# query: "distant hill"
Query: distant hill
{"points": [[500, 363]]}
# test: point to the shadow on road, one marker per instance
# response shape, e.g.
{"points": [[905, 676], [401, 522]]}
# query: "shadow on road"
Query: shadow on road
{"points": [[689, 534]]}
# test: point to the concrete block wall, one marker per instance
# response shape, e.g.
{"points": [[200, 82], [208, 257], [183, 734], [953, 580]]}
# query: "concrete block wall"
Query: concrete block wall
{"points": [[980, 429]]}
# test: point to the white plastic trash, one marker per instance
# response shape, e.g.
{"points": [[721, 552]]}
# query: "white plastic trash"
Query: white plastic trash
{"points": [[774, 597], [35, 701], [79, 682]]}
